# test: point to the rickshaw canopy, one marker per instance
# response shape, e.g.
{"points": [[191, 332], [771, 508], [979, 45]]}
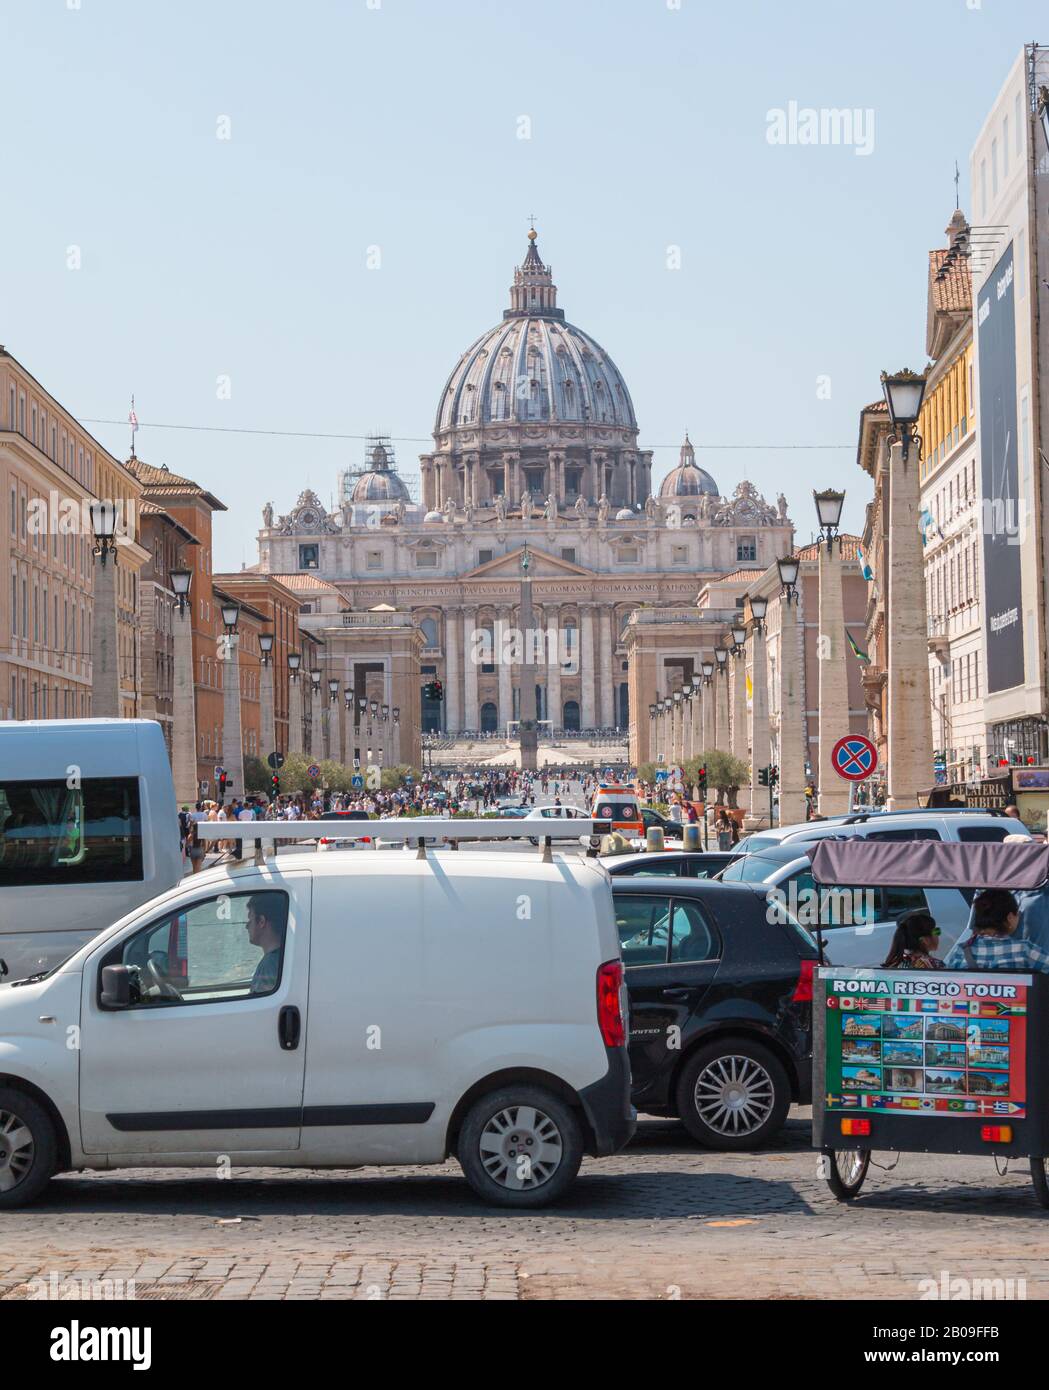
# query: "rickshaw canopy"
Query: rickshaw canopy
{"points": [[930, 863]]}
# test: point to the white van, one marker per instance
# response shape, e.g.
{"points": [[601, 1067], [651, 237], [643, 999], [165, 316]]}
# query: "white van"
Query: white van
{"points": [[88, 830], [329, 1011]]}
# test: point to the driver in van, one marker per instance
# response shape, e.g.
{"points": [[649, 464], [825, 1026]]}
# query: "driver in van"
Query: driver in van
{"points": [[268, 935]]}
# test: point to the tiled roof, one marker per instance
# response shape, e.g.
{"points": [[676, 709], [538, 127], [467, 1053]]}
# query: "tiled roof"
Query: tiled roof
{"points": [[952, 294], [307, 583], [850, 546], [148, 508], [737, 577], [161, 482]]}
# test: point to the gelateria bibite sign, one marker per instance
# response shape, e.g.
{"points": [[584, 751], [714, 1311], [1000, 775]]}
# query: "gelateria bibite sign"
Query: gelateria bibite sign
{"points": [[921, 1043]]}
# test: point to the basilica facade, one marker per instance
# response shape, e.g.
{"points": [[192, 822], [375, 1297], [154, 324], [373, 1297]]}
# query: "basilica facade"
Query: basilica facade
{"points": [[537, 464]]}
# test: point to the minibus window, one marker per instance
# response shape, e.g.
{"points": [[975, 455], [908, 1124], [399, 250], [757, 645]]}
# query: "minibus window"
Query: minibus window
{"points": [[51, 833]]}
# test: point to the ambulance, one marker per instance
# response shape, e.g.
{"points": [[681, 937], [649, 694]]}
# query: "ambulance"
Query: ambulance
{"points": [[617, 808]]}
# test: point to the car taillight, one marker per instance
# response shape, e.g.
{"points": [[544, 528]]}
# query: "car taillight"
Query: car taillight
{"points": [[803, 989], [609, 1003]]}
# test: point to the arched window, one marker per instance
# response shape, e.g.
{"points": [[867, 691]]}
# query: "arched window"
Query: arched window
{"points": [[428, 628], [570, 719]]}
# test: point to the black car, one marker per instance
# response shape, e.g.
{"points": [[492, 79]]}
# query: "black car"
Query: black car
{"points": [[670, 863], [672, 829], [720, 1007]]}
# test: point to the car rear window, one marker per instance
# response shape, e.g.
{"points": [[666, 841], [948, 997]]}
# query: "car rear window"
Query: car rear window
{"points": [[985, 833], [749, 868], [918, 832], [616, 810], [753, 843]]}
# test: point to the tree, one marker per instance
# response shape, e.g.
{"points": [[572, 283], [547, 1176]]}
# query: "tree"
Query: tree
{"points": [[725, 774], [256, 775]]}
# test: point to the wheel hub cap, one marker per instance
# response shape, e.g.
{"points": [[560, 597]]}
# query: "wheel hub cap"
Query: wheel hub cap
{"points": [[521, 1147], [734, 1095], [16, 1150]]}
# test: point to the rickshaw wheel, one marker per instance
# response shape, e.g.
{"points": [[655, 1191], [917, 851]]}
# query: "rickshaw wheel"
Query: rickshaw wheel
{"points": [[848, 1170], [1040, 1181]]}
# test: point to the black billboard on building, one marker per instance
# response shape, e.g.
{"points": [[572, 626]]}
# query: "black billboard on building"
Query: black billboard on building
{"points": [[996, 337]]}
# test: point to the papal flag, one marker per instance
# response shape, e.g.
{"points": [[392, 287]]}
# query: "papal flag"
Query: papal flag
{"points": [[750, 691], [857, 650], [865, 568]]}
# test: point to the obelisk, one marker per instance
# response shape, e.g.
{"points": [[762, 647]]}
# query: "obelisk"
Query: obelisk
{"points": [[528, 729]]}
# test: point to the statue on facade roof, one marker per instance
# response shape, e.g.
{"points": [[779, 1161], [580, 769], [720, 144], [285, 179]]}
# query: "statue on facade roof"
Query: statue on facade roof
{"points": [[526, 505], [581, 509], [500, 507], [550, 510], [267, 515], [602, 510]]}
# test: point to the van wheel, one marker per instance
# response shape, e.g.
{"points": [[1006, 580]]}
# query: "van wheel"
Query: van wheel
{"points": [[520, 1147], [28, 1148], [733, 1095]]}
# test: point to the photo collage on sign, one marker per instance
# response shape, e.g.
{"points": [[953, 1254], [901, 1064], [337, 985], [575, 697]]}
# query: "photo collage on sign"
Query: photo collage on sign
{"points": [[925, 1054]]}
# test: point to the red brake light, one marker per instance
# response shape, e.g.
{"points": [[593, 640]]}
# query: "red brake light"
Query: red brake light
{"points": [[609, 1009], [996, 1134], [803, 989]]}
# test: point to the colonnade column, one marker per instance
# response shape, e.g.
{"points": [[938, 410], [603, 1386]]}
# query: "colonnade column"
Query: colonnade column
{"points": [[470, 715], [501, 657], [453, 721], [553, 670], [588, 715], [604, 673]]}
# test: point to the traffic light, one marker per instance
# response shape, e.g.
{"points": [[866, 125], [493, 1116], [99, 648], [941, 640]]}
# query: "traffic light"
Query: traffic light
{"points": [[701, 782], [773, 775], [438, 690], [274, 787], [763, 776], [222, 786]]}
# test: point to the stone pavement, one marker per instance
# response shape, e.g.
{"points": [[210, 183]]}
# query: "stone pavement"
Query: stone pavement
{"points": [[664, 1220]]}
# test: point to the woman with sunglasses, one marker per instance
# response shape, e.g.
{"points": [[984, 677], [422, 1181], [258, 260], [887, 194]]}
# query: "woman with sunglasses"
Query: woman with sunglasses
{"points": [[914, 942]]}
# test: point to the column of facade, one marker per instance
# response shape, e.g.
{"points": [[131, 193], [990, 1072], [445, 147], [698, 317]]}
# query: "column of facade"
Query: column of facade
{"points": [[184, 710], [268, 730], [471, 720], [708, 695], [834, 676], [553, 670], [695, 720], [791, 719], [504, 669], [588, 712], [335, 727], [232, 735], [760, 748], [740, 735], [606, 689], [452, 706], [316, 735], [688, 729], [909, 726], [295, 713]]}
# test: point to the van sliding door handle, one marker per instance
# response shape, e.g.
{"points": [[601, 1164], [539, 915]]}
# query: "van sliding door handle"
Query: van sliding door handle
{"points": [[289, 1028]]}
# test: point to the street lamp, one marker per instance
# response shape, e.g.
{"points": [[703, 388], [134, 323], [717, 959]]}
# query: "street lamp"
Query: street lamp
{"points": [[230, 616], [348, 697], [696, 683], [333, 690], [294, 662], [104, 525], [758, 609], [180, 582], [315, 678], [385, 712], [396, 712], [904, 392], [708, 671], [721, 657], [652, 711], [789, 567], [739, 640], [265, 646], [373, 708], [829, 503]]}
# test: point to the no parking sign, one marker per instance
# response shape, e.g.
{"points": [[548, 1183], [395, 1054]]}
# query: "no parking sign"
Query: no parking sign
{"points": [[854, 757]]}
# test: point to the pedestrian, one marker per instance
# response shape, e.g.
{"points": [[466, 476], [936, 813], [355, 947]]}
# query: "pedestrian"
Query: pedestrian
{"points": [[723, 827], [914, 942], [994, 942]]}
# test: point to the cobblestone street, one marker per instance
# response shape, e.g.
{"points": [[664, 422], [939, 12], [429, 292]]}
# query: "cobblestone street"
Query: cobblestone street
{"points": [[664, 1220]]}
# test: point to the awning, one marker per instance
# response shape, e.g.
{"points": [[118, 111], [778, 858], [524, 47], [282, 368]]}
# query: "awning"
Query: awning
{"points": [[860, 863]]}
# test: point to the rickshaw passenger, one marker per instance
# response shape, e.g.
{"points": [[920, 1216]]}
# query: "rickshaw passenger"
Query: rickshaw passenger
{"points": [[914, 942], [995, 943]]}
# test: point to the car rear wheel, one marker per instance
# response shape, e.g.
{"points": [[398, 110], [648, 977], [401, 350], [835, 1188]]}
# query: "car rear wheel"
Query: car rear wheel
{"points": [[520, 1147], [733, 1095], [28, 1148]]}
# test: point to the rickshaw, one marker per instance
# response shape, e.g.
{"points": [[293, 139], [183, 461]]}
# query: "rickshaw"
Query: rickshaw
{"points": [[941, 1061]]}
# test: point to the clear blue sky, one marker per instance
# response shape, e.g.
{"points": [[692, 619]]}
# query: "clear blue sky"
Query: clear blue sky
{"points": [[397, 126]]}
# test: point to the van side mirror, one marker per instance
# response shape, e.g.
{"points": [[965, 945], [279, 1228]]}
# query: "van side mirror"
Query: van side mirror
{"points": [[116, 987]]}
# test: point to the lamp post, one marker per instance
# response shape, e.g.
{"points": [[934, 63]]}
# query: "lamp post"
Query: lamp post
{"points": [[232, 732], [791, 758], [316, 741], [334, 722], [294, 703], [651, 734], [105, 643], [707, 695], [395, 735], [722, 739], [833, 671], [183, 695], [676, 727], [909, 733], [269, 723], [738, 695], [362, 705], [347, 715], [904, 392], [760, 747]]}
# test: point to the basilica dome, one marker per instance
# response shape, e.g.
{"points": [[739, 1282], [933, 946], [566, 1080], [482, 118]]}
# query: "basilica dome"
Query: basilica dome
{"points": [[688, 479], [533, 367], [379, 483]]}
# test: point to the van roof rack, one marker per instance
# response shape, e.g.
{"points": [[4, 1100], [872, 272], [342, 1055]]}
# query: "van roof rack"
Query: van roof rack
{"points": [[862, 816], [451, 832]]}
